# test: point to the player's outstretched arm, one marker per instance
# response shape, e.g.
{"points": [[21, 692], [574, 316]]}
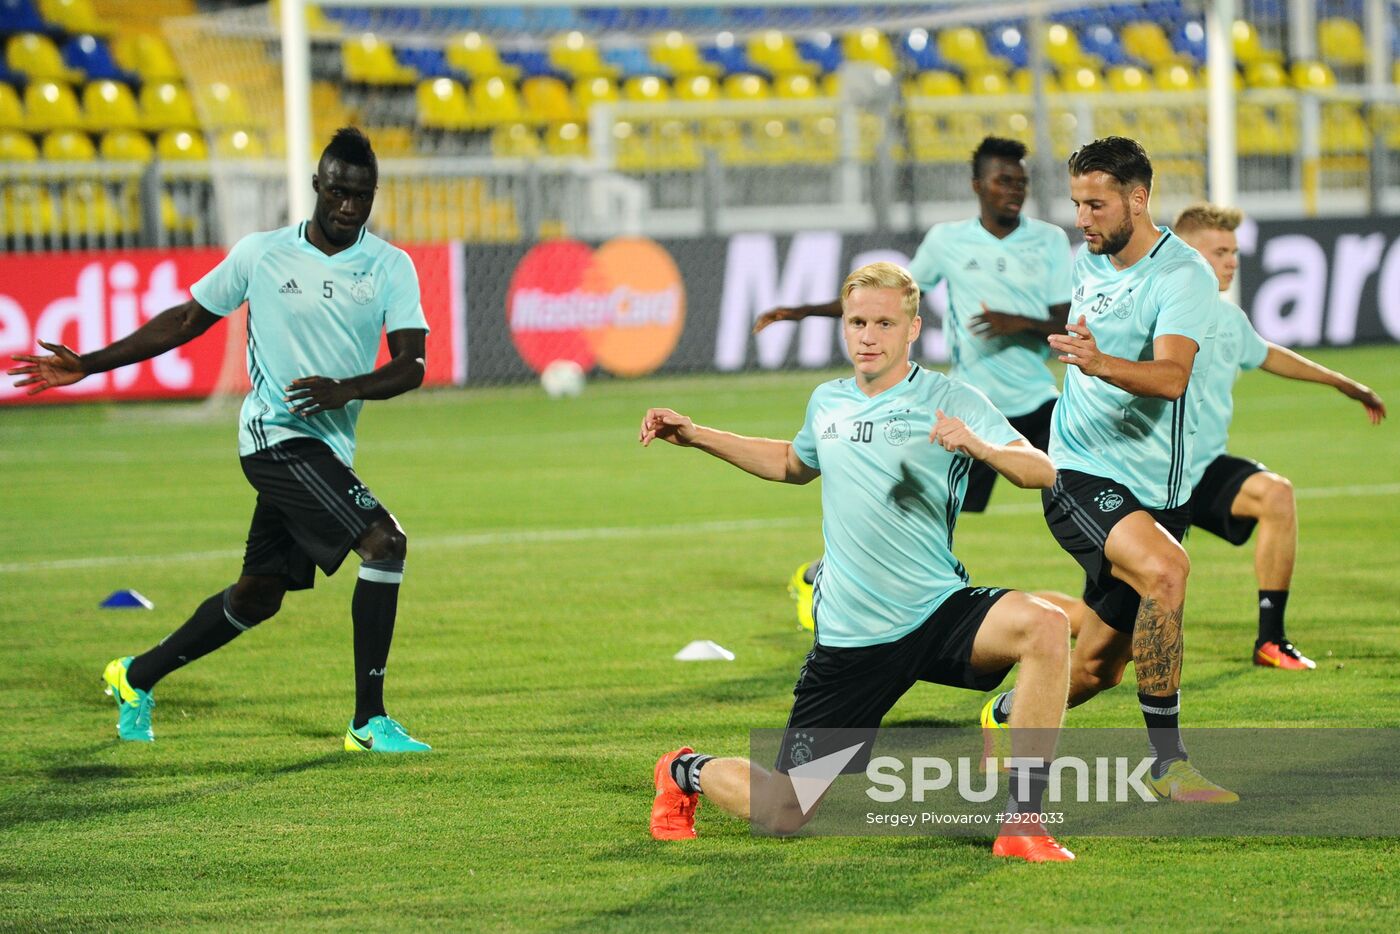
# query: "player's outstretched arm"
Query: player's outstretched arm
{"points": [[1165, 376], [827, 310], [993, 323], [62, 367], [408, 356], [768, 458], [1292, 365], [1018, 462]]}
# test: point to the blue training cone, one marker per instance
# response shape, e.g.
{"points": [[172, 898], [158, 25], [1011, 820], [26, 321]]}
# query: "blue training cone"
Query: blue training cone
{"points": [[126, 600]]}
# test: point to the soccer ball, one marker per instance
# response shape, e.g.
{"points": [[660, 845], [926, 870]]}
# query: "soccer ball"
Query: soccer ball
{"points": [[562, 378]]}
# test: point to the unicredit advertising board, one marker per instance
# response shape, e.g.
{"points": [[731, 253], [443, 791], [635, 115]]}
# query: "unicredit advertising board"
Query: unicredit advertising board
{"points": [[88, 300]]}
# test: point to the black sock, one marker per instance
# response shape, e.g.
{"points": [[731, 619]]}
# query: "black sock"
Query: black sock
{"points": [[373, 610], [1001, 710], [810, 575], [1163, 715], [686, 771], [1032, 801], [211, 626], [1272, 603]]}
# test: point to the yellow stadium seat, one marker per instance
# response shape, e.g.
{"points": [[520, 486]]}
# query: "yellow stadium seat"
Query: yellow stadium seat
{"points": [[49, 105], [965, 47], [1248, 47], [1128, 78], [1023, 81], [1310, 75], [869, 45], [241, 144], [147, 55], [1341, 42], [1344, 129], [495, 101], [547, 100], [745, 87], [646, 88], [1063, 51], [777, 53], [367, 59], [27, 210], [673, 147], [17, 147], [596, 90], [181, 146], [110, 105], [575, 54], [1147, 41], [75, 16], [1082, 80], [937, 83], [1265, 75], [475, 54], [11, 110], [68, 146], [987, 81], [697, 88], [675, 51], [166, 105], [86, 207], [1175, 78], [795, 87], [565, 139], [221, 105], [37, 57], [126, 146], [514, 140], [443, 105]]}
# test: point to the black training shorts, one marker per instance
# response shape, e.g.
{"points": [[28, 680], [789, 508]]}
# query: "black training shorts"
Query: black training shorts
{"points": [[980, 478], [853, 688], [311, 511], [1211, 499], [1081, 509]]}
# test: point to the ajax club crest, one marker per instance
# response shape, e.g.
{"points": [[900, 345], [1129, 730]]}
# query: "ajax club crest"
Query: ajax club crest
{"points": [[1108, 500], [362, 289], [363, 497]]}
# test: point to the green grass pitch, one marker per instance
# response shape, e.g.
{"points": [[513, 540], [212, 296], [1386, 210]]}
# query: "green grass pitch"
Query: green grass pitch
{"points": [[554, 568]]}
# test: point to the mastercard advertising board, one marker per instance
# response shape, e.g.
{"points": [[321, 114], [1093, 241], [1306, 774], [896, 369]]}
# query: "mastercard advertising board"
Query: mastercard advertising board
{"points": [[619, 307]]}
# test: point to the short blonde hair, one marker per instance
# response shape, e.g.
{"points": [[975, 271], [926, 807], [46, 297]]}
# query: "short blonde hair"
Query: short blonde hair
{"points": [[884, 275], [1206, 216]]}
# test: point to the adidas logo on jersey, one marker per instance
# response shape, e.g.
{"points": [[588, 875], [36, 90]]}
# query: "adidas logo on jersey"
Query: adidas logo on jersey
{"points": [[290, 288], [830, 433]]}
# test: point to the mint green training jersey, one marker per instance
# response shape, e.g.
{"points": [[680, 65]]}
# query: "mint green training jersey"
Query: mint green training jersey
{"points": [[1023, 274], [1099, 429], [1238, 347], [309, 314], [890, 500]]}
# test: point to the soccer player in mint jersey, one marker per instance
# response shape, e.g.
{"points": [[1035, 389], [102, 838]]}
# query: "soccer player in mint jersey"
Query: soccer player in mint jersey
{"points": [[1008, 282], [1144, 311], [894, 606], [320, 293]]}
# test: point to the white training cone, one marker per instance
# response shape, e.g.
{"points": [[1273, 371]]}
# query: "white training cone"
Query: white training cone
{"points": [[703, 650]]}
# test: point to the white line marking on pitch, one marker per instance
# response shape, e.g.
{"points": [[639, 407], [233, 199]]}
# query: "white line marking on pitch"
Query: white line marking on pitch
{"points": [[601, 533]]}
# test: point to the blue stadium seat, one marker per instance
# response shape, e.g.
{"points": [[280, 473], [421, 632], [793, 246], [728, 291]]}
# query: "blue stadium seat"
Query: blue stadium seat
{"points": [[531, 62], [1190, 40], [632, 61], [92, 56], [822, 50], [921, 52], [552, 19], [352, 18], [21, 16], [499, 19], [447, 20], [430, 63], [1100, 39], [733, 59], [1009, 42]]}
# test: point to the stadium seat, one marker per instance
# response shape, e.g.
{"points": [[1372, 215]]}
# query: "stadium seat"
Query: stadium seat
{"points": [[1341, 42], [110, 105], [1344, 129], [1248, 47], [443, 105], [147, 55], [49, 105], [921, 52], [27, 210], [1023, 82], [11, 110], [870, 45], [474, 54], [68, 146], [1175, 78], [547, 100], [1008, 43], [966, 48], [936, 83], [565, 139], [674, 51], [794, 87], [632, 62], [86, 207], [745, 88], [577, 55], [987, 81], [821, 49], [1081, 80], [93, 58], [1062, 48], [776, 52], [1099, 40], [1265, 75], [427, 63], [1312, 75], [599, 90], [21, 16], [222, 105], [697, 88], [76, 17], [166, 105], [367, 59], [674, 147], [495, 101], [181, 146], [17, 147], [648, 89], [37, 58], [514, 141], [1190, 41], [1128, 78], [1147, 43], [126, 146]]}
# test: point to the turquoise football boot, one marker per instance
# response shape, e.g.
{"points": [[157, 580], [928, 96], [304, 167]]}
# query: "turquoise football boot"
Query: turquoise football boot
{"points": [[382, 734], [133, 705]]}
